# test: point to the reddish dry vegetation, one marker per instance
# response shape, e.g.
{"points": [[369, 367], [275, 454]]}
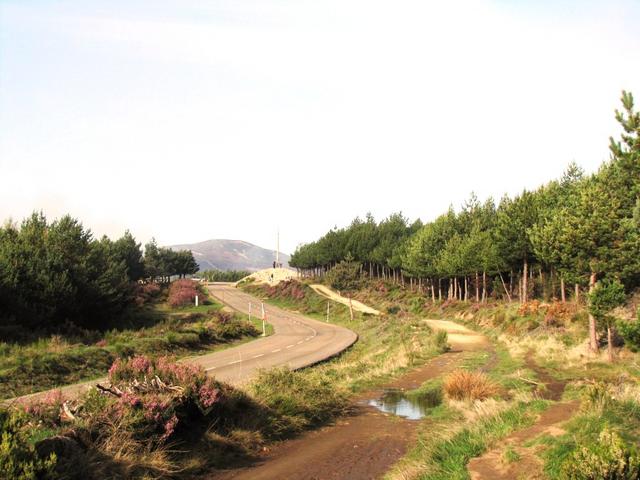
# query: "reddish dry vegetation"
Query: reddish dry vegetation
{"points": [[464, 385], [555, 313], [183, 293], [286, 289], [146, 292]]}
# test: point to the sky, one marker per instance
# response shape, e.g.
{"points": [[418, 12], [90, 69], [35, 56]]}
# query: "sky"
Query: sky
{"points": [[187, 120]]}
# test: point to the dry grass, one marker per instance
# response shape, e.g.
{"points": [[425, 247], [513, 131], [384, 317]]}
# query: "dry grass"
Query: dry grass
{"points": [[465, 385]]}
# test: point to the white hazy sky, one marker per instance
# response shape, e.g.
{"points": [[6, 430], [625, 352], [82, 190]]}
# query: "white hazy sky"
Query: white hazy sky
{"points": [[188, 120]]}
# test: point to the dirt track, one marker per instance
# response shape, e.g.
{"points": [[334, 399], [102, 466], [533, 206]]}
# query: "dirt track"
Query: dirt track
{"points": [[336, 297], [365, 445], [492, 465]]}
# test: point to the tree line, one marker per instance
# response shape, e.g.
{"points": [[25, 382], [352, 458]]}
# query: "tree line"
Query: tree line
{"points": [[223, 275], [56, 275], [575, 230]]}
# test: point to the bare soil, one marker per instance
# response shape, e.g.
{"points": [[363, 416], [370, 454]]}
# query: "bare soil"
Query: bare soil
{"points": [[493, 465], [362, 446]]}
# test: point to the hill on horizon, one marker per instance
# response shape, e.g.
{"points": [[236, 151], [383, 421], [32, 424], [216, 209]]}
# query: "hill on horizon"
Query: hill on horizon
{"points": [[223, 254]]}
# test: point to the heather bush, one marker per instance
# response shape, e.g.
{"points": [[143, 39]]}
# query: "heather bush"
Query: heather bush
{"points": [[183, 293], [287, 289]]}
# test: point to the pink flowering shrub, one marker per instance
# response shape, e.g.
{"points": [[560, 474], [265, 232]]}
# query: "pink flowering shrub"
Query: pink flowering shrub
{"points": [[47, 408], [183, 292], [156, 412]]}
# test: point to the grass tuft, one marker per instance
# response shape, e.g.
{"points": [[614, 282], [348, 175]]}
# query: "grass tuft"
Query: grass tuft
{"points": [[465, 385]]}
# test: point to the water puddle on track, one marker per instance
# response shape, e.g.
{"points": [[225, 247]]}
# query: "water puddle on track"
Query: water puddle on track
{"points": [[406, 405]]}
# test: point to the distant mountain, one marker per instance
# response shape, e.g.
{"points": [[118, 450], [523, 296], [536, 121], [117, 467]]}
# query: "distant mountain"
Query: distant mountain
{"points": [[232, 255]]}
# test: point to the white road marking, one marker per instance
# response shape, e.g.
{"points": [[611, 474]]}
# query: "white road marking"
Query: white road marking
{"points": [[299, 342], [233, 363], [289, 346], [276, 350], [210, 368], [260, 355]]}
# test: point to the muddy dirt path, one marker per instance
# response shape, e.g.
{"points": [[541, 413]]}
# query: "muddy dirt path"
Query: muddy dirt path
{"points": [[493, 464], [364, 445]]}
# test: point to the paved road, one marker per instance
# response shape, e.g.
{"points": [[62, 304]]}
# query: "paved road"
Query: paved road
{"points": [[297, 342]]}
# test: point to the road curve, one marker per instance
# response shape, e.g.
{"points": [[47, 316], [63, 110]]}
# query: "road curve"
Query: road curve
{"points": [[297, 342]]}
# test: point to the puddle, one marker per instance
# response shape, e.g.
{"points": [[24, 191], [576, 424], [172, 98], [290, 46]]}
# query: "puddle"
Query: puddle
{"points": [[412, 407]]}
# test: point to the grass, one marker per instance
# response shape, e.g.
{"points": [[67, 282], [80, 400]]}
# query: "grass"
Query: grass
{"points": [[443, 451], [510, 455], [388, 345], [606, 409]]}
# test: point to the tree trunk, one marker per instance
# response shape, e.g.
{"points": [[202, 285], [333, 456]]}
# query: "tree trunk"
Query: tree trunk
{"points": [[525, 285], [563, 293], [466, 288], [440, 289], [576, 297], [505, 287], [433, 292], [484, 286], [593, 337], [510, 283], [477, 288], [610, 355]]}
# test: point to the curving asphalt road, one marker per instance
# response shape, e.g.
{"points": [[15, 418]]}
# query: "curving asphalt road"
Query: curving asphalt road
{"points": [[297, 342]]}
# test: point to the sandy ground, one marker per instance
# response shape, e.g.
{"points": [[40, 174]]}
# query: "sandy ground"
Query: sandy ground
{"points": [[336, 297], [272, 276], [362, 446], [459, 336]]}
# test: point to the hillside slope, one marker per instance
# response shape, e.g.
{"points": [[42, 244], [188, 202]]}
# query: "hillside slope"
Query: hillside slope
{"points": [[224, 254]]}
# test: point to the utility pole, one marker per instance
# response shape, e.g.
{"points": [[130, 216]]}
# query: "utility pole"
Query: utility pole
{"points": [[278, 249]]}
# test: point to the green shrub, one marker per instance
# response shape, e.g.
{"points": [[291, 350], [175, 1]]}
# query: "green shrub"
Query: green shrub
{"points": [[610, 457], [18, 459], [345, 275], [630, 332]]}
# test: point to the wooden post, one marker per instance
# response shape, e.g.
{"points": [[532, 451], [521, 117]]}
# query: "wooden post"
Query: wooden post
{"points": [[351, 309], [327, 311], [593, 336]]}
